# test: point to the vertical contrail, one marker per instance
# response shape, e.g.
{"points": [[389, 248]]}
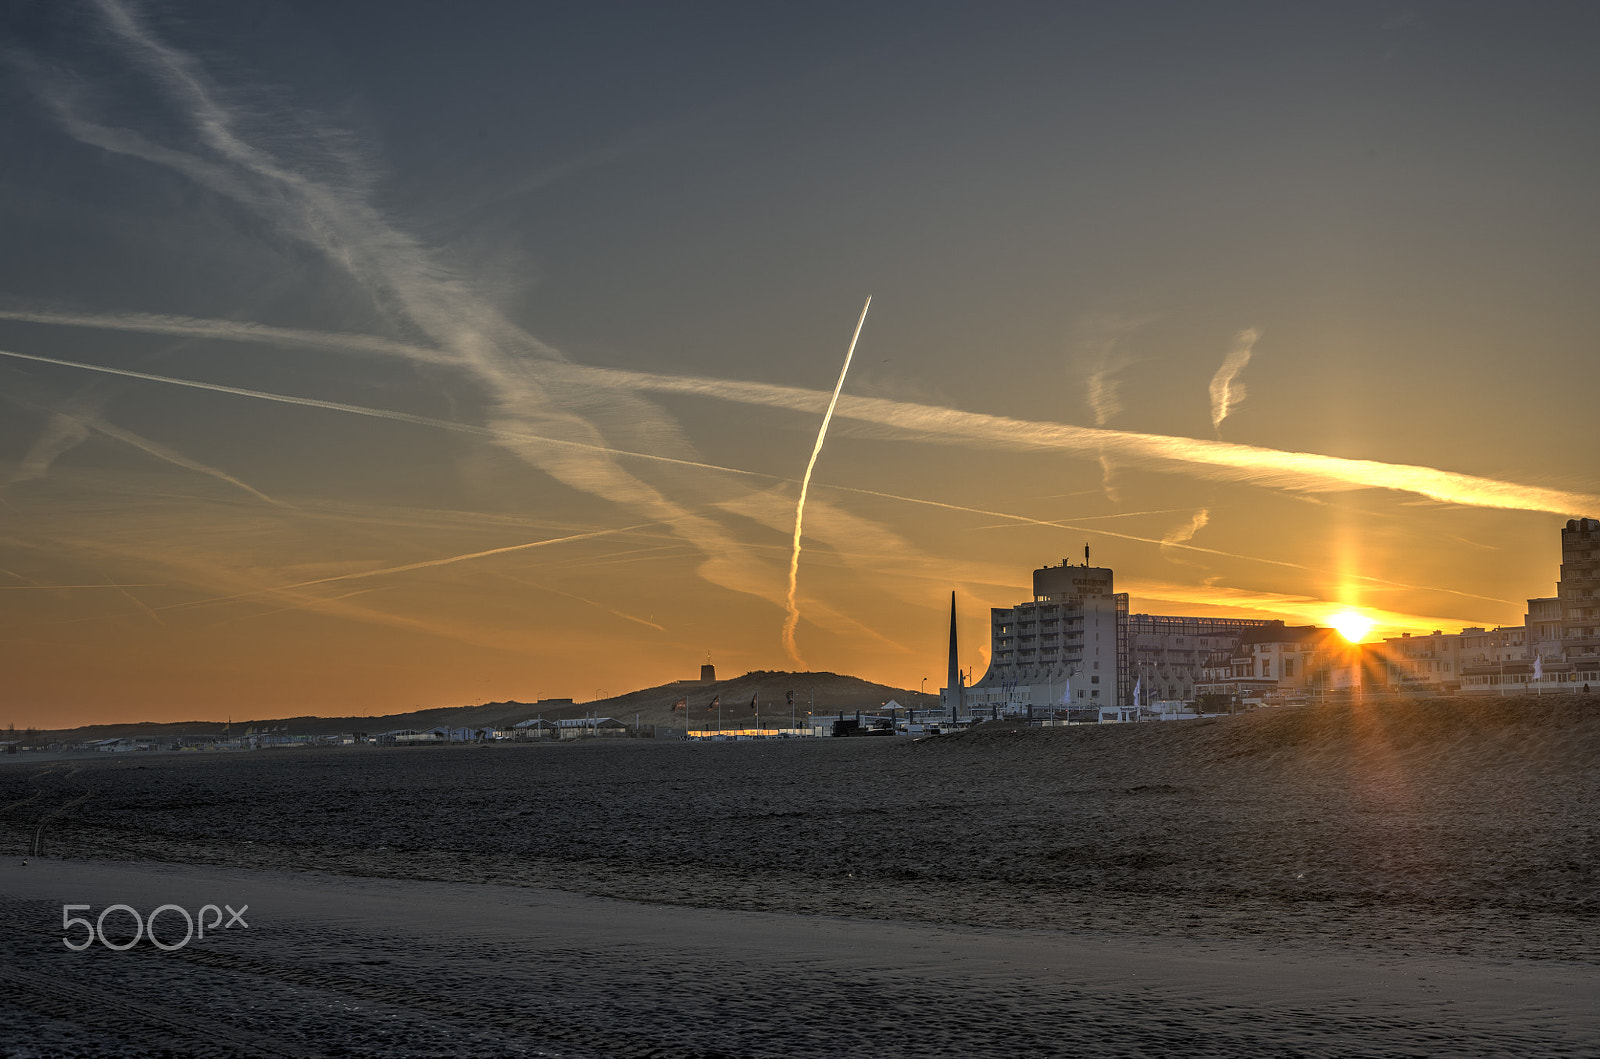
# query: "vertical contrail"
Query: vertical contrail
{"points": [[792, 620]]}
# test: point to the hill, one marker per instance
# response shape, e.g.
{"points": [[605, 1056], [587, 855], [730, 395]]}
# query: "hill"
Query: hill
{"points": [[829, 692]]}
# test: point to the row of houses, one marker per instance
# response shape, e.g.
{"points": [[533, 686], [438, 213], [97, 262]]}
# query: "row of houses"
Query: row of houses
{"points": [[1074, 649], [532, 729], [1555, 650]]}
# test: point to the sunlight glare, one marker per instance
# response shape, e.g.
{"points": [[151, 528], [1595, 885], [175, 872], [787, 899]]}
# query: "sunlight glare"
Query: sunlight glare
{"points": [[1351, 625]]}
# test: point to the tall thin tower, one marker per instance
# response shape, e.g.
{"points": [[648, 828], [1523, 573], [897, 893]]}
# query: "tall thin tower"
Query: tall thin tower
{"points": [[956, 691]]}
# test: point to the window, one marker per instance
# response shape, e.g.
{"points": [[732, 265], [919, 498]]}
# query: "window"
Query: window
{"points": [[1094, 680]]}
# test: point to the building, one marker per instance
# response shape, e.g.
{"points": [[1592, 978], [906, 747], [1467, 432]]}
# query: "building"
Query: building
{"points": [[1168, 655], [589, 727], [1555, 649], [1062, 649], [534, 728], [1578, 593], [1282, 664], [1074, 646], [1429, 663]]}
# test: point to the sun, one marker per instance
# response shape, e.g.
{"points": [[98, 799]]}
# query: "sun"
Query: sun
{"points": [[1351, 625]]}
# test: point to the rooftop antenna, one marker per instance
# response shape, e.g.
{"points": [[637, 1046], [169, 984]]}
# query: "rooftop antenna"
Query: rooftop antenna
{"points": [[1086, 553]]}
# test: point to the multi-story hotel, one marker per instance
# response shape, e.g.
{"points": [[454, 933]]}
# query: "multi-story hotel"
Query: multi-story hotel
{"points": [[1074, 645]]}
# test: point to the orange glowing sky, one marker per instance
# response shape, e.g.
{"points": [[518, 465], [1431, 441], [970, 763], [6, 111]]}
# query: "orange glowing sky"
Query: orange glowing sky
{"points": [[357, 363]]}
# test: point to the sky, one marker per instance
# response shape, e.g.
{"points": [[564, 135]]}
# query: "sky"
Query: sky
{"points": [[362, 357]]}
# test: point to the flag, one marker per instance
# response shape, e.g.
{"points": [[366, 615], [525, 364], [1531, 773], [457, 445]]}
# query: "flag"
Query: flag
{"points": [[1538, 667], [715, 702], [1136, 683], [681, 704], [753, 700], [1066, 695]]}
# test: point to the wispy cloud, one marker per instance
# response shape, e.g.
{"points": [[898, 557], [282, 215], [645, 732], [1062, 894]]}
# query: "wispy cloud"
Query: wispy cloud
{"points": [[63, 432], [1185, 533], [308, 183], [1097, 350], [1226, 389]]}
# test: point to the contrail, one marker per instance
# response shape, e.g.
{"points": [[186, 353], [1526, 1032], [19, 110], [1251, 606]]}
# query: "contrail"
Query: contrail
{"points": [[791, 619], [423, 565], [1517, 497], [1225, 392], [136, 601], [149, 584], [232, 331], [1149, 540], [1216, 460], [583, 599], [178, 459], [380, 413]]}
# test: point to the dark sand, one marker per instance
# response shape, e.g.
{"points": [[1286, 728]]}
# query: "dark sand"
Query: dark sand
{"points": [[1410, 880]]}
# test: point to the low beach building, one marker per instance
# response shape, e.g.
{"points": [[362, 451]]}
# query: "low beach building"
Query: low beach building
{"points": [[534, 728], [590, 727]]}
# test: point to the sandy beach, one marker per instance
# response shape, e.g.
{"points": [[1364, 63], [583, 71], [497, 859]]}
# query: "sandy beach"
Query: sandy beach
{"points": [[1409, 880], [335, 965]]}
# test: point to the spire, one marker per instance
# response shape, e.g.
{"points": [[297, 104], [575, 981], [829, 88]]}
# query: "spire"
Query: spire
{"points": [[957, 695]]}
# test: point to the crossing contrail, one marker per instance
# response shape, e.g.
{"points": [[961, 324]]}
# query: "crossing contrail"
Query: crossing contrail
{"points": [[378, 413], [1215, 460], [791, 619], [408, 567], [1541, 500]]}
